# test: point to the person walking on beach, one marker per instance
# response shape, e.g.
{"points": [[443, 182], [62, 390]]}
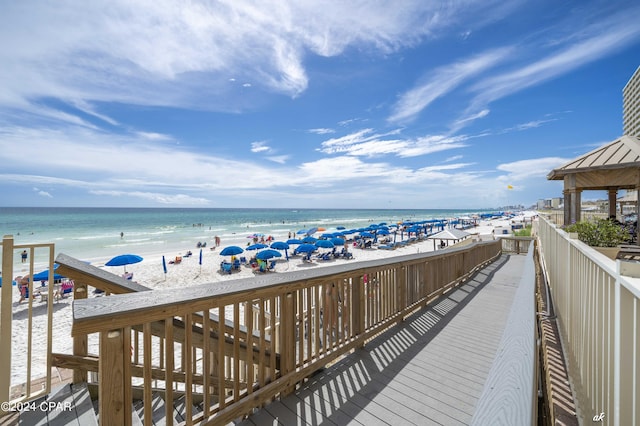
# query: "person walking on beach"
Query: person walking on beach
{"points": [[24, 256]]}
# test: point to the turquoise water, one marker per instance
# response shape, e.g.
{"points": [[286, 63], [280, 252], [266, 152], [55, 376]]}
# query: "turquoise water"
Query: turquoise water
{"points": [[94, 234]]}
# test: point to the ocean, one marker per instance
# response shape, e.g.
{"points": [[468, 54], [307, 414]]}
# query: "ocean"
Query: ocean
{"points": [[97, 234]]}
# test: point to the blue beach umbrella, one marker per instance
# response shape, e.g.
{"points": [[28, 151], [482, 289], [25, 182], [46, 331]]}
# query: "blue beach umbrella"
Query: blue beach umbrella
{"points": [[324, 244], [337, 241], [231, 251], [200, 260], [44, 275], [309, 240], [124, 260], [301, 232], [164, 266], [367, 235], [280, 245], [257, 246], [340, 228], [306, 248], [294, 241], [268, 254]]}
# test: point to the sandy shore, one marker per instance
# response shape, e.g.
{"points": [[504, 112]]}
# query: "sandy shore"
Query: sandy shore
{"points": [[150, 273]]}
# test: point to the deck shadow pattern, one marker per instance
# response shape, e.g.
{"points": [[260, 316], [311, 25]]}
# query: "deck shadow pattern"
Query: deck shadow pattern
{"points": [[392, 380]]}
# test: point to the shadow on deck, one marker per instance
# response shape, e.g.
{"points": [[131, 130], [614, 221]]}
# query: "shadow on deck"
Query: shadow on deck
{"points": [[431, 369]]}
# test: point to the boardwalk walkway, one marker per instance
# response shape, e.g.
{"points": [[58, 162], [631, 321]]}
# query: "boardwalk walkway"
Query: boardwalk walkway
{"points": [[431, 369]]}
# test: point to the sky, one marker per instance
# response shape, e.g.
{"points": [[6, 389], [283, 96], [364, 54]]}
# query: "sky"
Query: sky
{"points": [[463, 104]]}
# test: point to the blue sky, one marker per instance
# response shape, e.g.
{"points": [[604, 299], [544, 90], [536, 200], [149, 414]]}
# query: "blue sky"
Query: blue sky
{"points": [[302, 104]]}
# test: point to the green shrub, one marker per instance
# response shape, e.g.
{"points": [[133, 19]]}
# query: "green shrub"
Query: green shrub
{"points": [[526, 232], [601, 233]]}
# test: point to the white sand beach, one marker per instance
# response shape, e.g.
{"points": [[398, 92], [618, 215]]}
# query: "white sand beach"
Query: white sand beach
{"points": [[189, 272]]}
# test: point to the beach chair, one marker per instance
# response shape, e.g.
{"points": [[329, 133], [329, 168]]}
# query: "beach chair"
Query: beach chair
{"points": [[236, 264], [272, 265], [226, 267]]}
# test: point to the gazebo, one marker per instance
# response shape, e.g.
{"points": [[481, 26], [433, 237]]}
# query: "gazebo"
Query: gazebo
{"points": [[611, 167], [448, 235]]}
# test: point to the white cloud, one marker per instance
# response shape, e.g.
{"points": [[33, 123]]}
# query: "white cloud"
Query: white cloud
{"points": [[367, 143], [260, 147], [42, 193], [594, 41], [321, 131], [531, 168], [441, 81], [163, 53]]}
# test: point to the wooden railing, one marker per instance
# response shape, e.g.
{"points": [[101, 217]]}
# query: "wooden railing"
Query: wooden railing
{"points": [[279, 330], [598, 315], [34, 357]]}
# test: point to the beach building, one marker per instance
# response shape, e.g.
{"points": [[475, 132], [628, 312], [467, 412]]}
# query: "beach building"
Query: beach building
{"points": [[631, 105]]}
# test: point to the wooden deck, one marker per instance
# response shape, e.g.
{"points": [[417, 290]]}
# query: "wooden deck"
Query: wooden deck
{"points": [[431, 369]]}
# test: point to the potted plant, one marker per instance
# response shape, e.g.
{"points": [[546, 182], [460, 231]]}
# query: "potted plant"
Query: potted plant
{"points": [[604, 235]]}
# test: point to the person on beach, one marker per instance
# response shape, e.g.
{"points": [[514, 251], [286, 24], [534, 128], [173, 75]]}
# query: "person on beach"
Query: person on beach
{"points": [[24, 256]]}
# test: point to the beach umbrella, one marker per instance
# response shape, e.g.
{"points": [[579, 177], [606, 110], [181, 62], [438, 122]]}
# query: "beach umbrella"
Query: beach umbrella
{"points": [[327, 235], [280, 245], [337, 241], [367, 235], [306, 248], [164, 266], [294, 241], [124, 260], [268, 254], [257, 246], [309, 240], [324, 244], [340, 228], [200, 260], [44, 275], [231, 251], [301, 231]]}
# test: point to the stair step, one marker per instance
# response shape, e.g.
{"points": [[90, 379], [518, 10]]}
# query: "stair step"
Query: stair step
{"points": [[65, 405]]}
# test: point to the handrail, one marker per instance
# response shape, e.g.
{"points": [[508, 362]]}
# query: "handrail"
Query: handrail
{"points": [[510, 392], [35, 357], [308, 318], [597, 315]]}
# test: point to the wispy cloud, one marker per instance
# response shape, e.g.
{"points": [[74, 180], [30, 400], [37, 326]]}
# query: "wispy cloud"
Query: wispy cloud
{"points": [[42, 193], [260, 146], [366, 142], [321, 131], [441, 81], [531, 168], [592, 42]]}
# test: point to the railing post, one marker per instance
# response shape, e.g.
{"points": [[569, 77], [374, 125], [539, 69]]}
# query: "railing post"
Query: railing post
{"points": [[288, 341], [115, 377], [357, 303], [80, 343], [6, 314]]}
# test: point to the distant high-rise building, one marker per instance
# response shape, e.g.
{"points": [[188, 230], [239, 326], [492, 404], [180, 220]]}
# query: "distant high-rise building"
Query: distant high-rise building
{"points": [[631, 105]]}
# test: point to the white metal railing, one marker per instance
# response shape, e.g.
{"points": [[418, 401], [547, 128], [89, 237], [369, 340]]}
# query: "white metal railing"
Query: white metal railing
{"points": [[599, 318], [25, 364]]}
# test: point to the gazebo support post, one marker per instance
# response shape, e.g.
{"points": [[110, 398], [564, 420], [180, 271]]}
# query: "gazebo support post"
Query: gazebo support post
{"points": [[613, 201]]}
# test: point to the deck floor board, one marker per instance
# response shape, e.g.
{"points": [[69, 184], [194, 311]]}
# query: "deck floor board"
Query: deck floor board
{"points": [[431, 369]]}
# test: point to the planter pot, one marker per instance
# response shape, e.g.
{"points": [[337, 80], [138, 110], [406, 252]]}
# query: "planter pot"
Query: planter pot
{"points": [[610, 252]]}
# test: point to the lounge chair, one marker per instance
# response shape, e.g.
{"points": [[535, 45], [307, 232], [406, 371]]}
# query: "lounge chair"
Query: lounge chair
{"points": [[225, 267], [272, 265], [236, 264]]}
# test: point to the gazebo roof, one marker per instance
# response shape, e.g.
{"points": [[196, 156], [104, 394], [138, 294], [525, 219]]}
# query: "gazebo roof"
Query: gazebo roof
{"points": [[605, 167], [450, 234], [623, 152]]}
